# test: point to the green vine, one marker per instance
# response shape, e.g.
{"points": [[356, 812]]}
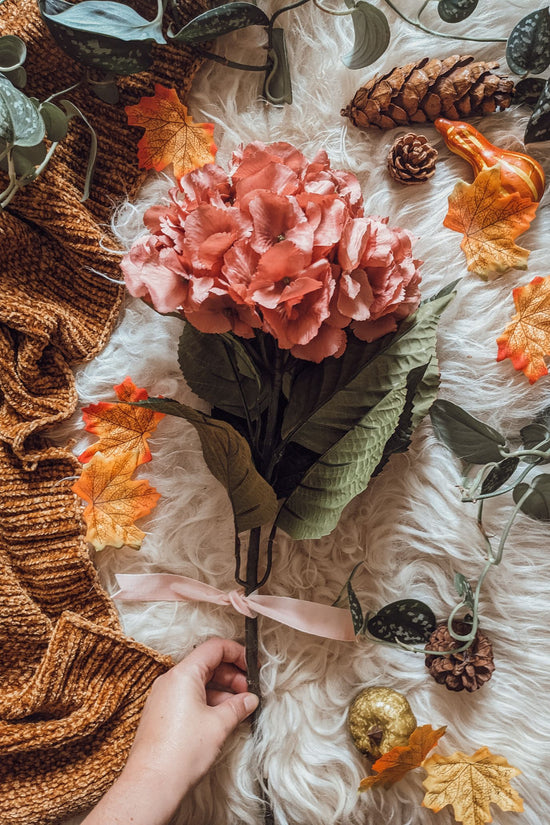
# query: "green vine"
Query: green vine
{"points": [[466, 435]]}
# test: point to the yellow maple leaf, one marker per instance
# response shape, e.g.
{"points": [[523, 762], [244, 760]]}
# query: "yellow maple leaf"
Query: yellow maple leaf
{"points": [[171, 135], [470, 784], [115, 501], [526, 339], [393, 765], [490, 220], [122, 429]]}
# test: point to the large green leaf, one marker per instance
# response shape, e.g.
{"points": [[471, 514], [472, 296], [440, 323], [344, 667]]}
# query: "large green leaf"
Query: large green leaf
{"points": [[209, 363], [112, 54], [529, 90], [108, 18], [277, 84], [468, 438], [20, 122], [221, 20], [528, 47], [538, 128], [537, 503], [228, 458], [372, 36], [328, 399], [453, 11], [341, 473]]}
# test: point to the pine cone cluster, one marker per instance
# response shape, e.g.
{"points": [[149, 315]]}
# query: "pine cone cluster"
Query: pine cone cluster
{"points": [[455, 88], [411, 159], [468, 670]]}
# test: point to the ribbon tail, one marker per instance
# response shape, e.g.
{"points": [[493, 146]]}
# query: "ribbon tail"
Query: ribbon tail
{"points": [[308, 617]]}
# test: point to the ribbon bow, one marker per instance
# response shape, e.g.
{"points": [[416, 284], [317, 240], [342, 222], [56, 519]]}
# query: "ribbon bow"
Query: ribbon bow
{"points": [[309, 617]]}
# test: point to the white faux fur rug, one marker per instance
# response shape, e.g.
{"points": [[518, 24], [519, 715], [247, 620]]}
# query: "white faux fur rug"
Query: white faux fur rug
{"points": [[410, 527]]}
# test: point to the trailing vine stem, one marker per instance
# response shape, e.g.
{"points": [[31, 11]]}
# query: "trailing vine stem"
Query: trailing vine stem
{"points": [[418, 25]]}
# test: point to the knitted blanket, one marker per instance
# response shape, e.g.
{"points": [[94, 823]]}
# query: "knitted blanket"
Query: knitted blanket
{"points": [[72, 686]]}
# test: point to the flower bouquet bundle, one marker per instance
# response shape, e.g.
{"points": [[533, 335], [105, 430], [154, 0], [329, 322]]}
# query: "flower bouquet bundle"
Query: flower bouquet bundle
{"points": [[305, 334]]}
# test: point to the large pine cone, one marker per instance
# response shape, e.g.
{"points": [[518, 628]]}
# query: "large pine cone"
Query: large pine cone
{"points": [[456, 87], [468, 670]]}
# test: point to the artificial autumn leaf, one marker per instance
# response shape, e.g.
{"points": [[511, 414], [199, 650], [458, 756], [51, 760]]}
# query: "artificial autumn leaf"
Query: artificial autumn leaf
{"points": [[470, 784], [490, 220], [170, 136], [122, 429], [526, 339], [115, 501], [393, 765]]}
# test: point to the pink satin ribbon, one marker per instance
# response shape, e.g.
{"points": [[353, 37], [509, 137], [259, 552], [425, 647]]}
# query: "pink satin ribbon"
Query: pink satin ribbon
{"points": [[309, 617]]}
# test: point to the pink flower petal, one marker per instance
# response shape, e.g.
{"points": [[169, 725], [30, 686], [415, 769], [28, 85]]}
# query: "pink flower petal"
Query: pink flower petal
{"points": [[329, 341]]}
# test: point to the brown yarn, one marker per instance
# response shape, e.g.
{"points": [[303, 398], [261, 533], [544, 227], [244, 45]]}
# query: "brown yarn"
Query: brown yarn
{"points": [[72, 686]]}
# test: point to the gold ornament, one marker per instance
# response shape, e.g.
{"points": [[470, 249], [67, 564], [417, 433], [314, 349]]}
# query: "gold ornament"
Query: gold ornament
{"points": [[379, 719]]}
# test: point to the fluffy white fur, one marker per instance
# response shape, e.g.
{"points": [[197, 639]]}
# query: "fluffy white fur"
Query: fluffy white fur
{"points": [[410, 527]]}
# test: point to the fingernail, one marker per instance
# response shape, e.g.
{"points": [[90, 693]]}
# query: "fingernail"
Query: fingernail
{"points": [[251, 702]]}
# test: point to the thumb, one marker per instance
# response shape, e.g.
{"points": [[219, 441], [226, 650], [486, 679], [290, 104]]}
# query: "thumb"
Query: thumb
{"points": [[235, 709]]}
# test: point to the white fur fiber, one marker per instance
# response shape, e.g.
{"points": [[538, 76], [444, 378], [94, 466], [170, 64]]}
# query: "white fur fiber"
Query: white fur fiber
{"points": [[409, 527]]}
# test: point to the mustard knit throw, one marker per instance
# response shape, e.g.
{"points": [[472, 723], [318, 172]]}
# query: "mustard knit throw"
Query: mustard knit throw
{"points": [[72, 686]]}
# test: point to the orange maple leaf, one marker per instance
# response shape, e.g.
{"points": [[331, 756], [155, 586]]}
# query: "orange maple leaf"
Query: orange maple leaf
{"points": [[526, 339], [393, 765], [490, 220], [115, 501], [170, 136], [122, 429]]}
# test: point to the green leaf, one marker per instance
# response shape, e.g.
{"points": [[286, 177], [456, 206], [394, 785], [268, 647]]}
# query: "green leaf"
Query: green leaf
{"points": [[330, 398], [106, 90], [277, 84], [20, 123], [372, 36], [206, 364], [355, 609], [100, 51], [529, 90], [228, 457], [468, 438], [453, 11], [73, 111], [108, 18], [528, 46], [499, 474], [407, 620], [13, 53], [221, 20], [314, 508], [464, 589], [56, 121], [538, 128], [537, 503], [532, 435], [422, 386]]}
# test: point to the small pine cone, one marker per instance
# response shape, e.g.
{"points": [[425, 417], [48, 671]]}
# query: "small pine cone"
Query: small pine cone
{"points": [[411, 159], [455, 88], [468, 670]]}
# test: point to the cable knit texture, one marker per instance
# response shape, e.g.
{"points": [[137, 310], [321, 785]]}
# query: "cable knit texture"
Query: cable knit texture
{"points": [[72, 686]]}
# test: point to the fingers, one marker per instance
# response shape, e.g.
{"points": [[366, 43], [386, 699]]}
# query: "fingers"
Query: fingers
{"points": [[232, 708], [208, 656], [229, 677]]}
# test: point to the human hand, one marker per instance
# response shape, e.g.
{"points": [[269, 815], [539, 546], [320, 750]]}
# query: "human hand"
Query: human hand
{"points": [[188, 715]]}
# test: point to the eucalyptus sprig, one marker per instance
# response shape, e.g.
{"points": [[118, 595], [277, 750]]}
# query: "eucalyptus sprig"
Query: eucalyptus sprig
{"points": [[408, 623], [30, 129]]}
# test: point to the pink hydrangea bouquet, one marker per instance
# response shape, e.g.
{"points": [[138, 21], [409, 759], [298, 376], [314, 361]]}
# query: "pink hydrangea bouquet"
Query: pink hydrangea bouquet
{"points": [[304, 333]]}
